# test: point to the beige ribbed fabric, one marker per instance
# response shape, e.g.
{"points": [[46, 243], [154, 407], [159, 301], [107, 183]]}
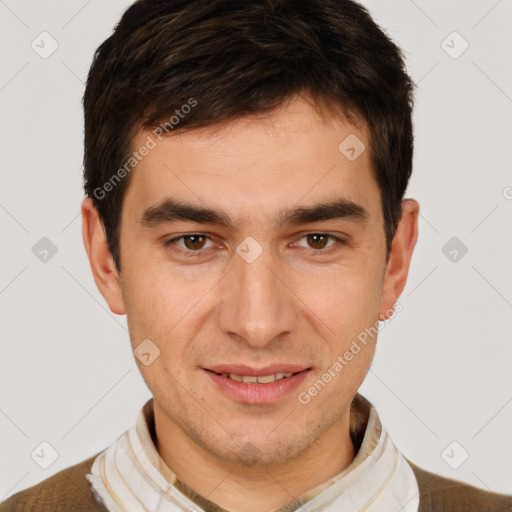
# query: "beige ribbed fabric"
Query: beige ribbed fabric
{"points": [[130, 476]]}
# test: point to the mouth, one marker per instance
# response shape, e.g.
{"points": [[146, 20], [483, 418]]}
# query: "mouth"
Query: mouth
{"points": [[248, 385], [257, 379]]}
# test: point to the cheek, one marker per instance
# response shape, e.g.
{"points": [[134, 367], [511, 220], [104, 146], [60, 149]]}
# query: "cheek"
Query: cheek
{"points": [[344, 310], [157, 313], [161, 302], [343, 296]]}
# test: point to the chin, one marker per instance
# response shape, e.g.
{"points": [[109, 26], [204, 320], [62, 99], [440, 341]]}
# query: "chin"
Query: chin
{"points": [[249, 451]]}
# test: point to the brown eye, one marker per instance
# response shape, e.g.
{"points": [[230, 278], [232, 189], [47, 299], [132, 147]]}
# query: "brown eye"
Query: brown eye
{"points": [[190, 244], [320, 242], [194, 242], [317, 240]]}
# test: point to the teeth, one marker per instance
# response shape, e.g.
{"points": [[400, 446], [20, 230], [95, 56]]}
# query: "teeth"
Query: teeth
{"points": [[266, 379], [252, 379]]}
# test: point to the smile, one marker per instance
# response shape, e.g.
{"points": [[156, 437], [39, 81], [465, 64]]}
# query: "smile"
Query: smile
{"points": [[257, 387], [261, 379]]}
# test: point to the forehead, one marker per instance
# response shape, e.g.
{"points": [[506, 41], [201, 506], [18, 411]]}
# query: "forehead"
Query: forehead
{"points": [[254, 166]]}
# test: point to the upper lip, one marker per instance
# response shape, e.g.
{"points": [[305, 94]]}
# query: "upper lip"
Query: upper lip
{"points": [[249, 371]]}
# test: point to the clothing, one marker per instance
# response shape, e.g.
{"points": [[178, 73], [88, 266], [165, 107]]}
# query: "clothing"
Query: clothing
{"points": [[130, 476], [132, 471]]}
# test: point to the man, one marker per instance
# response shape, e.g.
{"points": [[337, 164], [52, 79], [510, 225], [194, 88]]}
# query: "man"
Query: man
{"points": [[245, 170]]}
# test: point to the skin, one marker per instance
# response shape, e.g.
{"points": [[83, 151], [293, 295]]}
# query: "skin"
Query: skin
{"points": [[296, 303]]}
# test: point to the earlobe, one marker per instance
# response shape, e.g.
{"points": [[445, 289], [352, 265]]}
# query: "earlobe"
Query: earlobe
{"points": [[102, 263], [402, 248]]}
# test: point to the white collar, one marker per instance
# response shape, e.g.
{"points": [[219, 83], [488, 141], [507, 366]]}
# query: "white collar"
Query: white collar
{"points": [[131, 476]]}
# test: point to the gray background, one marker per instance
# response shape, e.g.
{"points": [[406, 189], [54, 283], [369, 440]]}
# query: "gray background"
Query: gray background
{"points": [[442, 369]]}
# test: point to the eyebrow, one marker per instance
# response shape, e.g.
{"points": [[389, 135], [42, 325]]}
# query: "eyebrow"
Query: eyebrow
{"points": [[171, 210]]}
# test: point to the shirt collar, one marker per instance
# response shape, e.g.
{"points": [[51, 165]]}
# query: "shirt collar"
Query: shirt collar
{"points": [[132, 473]]}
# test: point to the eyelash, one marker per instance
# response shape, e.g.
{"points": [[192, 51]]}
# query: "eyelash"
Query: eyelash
{"points": [[171, 244]]}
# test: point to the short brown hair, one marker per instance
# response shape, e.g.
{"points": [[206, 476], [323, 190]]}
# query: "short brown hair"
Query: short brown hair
{"points": [[235, 58]]}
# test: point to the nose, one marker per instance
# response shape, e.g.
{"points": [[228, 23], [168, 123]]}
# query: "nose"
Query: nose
{"points": [[257, 302]]}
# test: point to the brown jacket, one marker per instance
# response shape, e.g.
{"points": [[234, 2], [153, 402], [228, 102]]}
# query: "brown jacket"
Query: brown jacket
{"points": [[70, 491]]}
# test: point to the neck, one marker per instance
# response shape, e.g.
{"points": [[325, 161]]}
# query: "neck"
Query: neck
{"points": [[206, 478]]}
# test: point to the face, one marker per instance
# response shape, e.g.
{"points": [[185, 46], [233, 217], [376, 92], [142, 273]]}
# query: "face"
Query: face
{"points": [[254, 248]]}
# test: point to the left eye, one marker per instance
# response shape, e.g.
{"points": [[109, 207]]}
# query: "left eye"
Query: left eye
{"points": [[318, 241], [194, 242]]}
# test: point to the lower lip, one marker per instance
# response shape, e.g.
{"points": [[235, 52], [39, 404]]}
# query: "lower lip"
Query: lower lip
{"points": [[249, 393]]}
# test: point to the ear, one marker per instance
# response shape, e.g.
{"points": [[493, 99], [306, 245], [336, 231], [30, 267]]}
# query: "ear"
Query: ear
{"points": [[400, 256], [102, 263]]}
